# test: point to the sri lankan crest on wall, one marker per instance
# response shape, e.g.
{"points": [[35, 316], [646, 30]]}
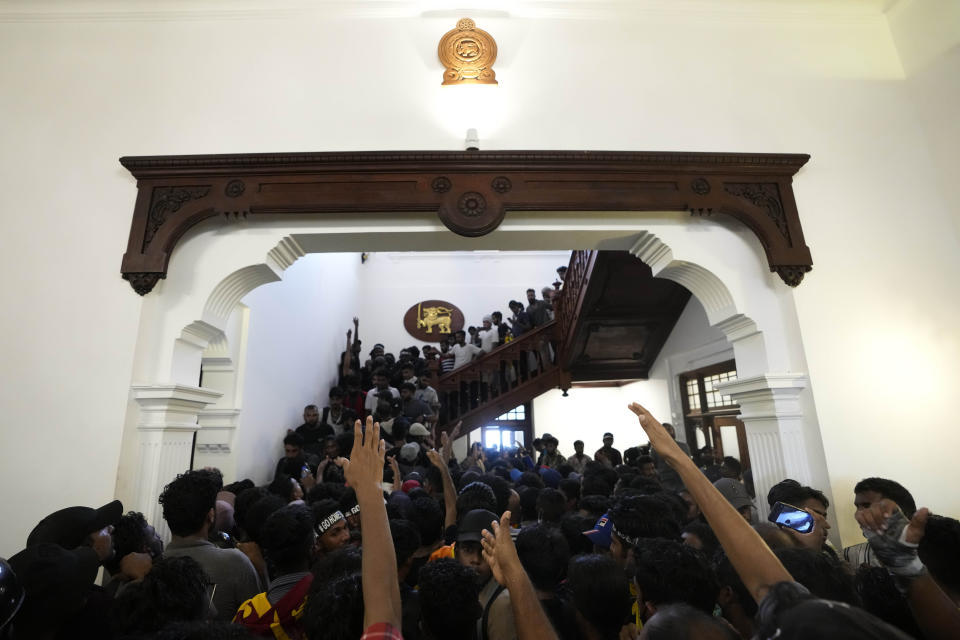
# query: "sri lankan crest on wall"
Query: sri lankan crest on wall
{"points": [[468, 54], [433, 320]]}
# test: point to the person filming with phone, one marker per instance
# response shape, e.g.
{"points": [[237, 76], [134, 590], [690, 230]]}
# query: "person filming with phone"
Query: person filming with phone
{"points": [[802, 513]]}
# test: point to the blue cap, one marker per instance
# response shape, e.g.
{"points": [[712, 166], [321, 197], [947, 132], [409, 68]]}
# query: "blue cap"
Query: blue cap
{"points": [[515, 474], [551, 477], [602, 531]]}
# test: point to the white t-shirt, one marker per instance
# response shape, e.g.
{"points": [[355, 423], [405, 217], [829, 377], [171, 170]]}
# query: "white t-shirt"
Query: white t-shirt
{"points": [[488, 339], [371, 403], [464, 355]]}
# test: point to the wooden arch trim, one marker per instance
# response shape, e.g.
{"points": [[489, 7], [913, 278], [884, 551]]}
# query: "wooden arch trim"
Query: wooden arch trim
{"points": [[470, 191]]}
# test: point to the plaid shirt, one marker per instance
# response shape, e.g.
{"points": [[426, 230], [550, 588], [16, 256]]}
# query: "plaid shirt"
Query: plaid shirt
{"points": [[382, 631]]}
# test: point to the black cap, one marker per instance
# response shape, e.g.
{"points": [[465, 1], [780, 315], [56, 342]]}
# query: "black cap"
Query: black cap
{"points": [[70, 527], [472, 526], [608, 435]]}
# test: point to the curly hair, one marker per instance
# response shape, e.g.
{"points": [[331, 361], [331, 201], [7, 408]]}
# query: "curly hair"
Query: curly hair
{"points": [[449, 605], [645, 517], [667, 572], [287, 536], [544, 554], [601, 593], [334, 608], [187, 501], [476, 495], [174, 590], [427, 516]]}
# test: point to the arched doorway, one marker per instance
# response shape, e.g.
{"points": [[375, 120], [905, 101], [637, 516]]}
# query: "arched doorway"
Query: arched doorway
{"points": [[715, 259]]}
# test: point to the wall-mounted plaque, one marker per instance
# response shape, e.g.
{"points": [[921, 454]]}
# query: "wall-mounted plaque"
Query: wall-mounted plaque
{"points": [[468, 54], [432, 320]]}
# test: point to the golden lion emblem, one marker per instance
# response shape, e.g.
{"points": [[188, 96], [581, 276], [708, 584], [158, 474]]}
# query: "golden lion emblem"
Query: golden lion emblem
{"points": [[431, 317]]}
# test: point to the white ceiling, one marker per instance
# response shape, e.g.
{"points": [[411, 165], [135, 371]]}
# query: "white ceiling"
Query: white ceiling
{"points": [[107, 9]]}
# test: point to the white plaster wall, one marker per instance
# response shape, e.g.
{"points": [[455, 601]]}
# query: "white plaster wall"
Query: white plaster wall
{"points": [[877, 315], [295, 339], [476, 282]]}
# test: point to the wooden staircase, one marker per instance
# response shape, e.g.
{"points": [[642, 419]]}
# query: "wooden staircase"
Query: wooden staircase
{"points": [[612, 319], [495, 383]]}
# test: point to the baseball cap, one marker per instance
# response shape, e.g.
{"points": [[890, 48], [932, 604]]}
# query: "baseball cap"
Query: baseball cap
{"points": [[409, 452], [602, 532], [488, 319], [417, 429], [70, 527], [473, 524], [515, 475], [551, 477], [409, 485], [608, 435], [734, 492]]}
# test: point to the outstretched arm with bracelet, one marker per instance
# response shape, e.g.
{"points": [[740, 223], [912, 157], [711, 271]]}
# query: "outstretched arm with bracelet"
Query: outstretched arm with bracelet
{"points": [[364, 472], [755, 563], [894, 539]]}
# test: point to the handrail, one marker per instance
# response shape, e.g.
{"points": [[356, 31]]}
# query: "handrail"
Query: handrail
{"points": [[504, 369], [569, 304]]}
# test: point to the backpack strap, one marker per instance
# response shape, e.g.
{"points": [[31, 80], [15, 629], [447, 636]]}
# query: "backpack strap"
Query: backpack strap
{"points": [[486, 612]]}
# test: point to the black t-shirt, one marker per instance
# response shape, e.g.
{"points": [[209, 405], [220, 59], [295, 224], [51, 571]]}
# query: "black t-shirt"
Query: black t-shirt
{"points": [[313, 436]]}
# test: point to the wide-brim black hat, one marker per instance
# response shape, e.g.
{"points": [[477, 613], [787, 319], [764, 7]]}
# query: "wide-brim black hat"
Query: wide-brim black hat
{"points": [[70, 527]]}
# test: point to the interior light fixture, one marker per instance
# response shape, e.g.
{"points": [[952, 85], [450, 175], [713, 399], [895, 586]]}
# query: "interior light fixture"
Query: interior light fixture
{"points": [[472, 143]]}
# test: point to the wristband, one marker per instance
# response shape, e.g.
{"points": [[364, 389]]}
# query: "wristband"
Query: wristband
{"points": [[892, 549]]}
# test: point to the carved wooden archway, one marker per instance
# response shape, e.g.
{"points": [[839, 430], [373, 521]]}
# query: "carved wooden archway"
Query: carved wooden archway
{"points": [[470, 191]]}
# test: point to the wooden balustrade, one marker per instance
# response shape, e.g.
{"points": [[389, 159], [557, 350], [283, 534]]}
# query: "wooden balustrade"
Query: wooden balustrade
{"points": [[569, 304], [527, 364]]}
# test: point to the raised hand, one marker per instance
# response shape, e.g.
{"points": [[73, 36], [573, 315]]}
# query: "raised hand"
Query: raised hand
{"points": [[395, 467], [500, 552], [364, 470], [893, 537], [436, 459], [660, 440]]}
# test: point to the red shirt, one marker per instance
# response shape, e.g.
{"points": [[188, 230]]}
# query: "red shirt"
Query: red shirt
{"points": [[355, 402], [382, 631]]}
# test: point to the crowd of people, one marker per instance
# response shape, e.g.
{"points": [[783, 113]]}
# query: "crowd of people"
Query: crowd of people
{"points": [[392, 537], [372, 528], [399, 389]]}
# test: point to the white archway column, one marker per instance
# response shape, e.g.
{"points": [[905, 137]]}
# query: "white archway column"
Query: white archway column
{"points": [[770, 410], [168, 420]]}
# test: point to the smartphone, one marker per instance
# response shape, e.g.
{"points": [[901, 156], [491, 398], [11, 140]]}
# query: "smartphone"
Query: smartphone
{"points": [[791, 517]]}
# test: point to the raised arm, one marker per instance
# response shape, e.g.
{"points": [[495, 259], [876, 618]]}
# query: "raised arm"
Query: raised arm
{"points": [[501, 554], [894, 540], [345, 361], [449, 491], [755, 563], [364, 472], [356, 329]]}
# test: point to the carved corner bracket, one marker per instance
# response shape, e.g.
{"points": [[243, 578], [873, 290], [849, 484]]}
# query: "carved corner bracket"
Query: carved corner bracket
{"points": [[471, 192]]}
